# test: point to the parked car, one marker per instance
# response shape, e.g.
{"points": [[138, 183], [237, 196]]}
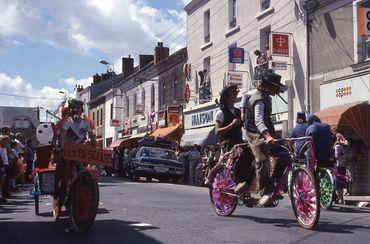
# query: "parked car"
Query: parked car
{"points": [[155, 162]]}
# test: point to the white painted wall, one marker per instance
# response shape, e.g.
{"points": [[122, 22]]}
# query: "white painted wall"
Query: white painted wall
{"points": [[284, 16]]}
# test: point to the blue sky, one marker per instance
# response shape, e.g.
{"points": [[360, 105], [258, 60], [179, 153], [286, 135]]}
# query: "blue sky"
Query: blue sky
{"points": [[47, 46]]}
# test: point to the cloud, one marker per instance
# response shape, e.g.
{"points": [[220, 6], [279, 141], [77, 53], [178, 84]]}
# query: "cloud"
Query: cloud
{"points": [[116, 27], [71, 82], [50, 97]]}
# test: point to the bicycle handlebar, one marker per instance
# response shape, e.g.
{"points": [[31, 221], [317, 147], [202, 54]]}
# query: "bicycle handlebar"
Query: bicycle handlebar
{"points": [[294, 139]]}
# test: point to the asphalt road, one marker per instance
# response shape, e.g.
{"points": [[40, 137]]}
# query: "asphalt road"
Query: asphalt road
{"points": [[140, 212]]}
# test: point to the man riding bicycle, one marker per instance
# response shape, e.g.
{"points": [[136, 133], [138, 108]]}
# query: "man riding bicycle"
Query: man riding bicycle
{"points": [[75, 128], [260, 132]]}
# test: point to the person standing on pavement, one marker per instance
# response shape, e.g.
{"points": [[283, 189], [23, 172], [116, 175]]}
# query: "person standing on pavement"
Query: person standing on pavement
{"points": [[4, 164], [194, 159], [260, 133], [340, 154], [28, 158], [5, 132]]}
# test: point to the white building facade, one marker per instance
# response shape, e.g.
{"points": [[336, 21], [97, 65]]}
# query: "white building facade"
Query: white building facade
{"points": [[215, 26]]}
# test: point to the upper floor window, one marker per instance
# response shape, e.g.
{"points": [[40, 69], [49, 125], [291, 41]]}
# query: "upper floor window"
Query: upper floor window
{"points": [[207, 26], [265, 4], [93, 115], [101, 115], [143, 99], [97, 118], [152, 104], [135, 103], [111, 111], [127, 108], [205, 94], [232, 13], [174, 90]]}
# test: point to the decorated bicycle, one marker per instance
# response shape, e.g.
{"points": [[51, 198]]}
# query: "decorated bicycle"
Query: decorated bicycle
{"points": [[67, 167], [305, 192]]}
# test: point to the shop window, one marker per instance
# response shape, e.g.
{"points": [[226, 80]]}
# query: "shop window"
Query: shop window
{"points": [[265, 4], [232, 13], [207, 26]]}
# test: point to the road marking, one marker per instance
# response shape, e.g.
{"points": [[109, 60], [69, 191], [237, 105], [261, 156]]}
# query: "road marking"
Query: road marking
{"points": [[140, 225]]}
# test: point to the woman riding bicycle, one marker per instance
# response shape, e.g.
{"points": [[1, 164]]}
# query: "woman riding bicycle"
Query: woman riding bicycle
{"points": [[75, 128]]}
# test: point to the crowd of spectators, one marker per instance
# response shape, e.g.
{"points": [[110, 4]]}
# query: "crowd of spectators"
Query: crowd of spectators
{"points": [[16, 158]]}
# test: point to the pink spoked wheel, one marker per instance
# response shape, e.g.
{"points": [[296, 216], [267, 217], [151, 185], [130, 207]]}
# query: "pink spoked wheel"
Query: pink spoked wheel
{"points": [[222, 183], [305, 197]]}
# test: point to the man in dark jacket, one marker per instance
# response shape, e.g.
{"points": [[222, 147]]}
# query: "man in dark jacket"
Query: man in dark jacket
{"points": [[261, 132], [300, 131]]}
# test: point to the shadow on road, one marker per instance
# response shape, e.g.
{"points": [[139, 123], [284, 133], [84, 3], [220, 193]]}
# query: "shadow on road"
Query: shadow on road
{"points": [[103, 231], [322, 226]]}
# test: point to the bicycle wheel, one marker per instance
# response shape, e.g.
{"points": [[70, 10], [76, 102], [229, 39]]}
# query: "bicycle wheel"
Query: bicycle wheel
{"points": [[326, 188], [305, 197], [222, 203], [83, 203]]}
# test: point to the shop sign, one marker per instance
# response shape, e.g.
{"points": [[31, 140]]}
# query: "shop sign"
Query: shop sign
{"points": [[280, 65], [280, 44], [162, 118], [201, 119], [345, 92], [115, 123], [364, 21], [173, 115], [235, 78], [236, 55], [187, 93]]}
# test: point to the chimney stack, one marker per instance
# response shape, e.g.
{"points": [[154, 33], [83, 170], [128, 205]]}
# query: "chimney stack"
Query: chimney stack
{"points": [[127, 66], [160, 53], [96, 79], [145, 60]]}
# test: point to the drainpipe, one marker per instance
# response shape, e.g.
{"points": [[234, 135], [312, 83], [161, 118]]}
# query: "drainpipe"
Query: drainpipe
{"points": [[308, 100]]}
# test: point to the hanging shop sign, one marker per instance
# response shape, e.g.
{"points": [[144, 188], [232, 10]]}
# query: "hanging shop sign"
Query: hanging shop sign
{"points": [[235, 78], [115, 123], [187, 71], [236, 55], [364, 21], [345, 92], [280, 44], [187, 93], [162, 118]]}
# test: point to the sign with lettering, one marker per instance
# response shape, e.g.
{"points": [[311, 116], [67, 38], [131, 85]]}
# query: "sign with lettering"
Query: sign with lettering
{"points": [[364, 21], [236, 55], [173, 115], [235, 78], [201, 118], [280, 44], [86, 154], [115, 123], [345, 91]]}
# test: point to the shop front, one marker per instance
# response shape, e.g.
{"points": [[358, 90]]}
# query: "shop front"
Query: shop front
{"points": [[345, 107], [200, 126], [170, 124]]}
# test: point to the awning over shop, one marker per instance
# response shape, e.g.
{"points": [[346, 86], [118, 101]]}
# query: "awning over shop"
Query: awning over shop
{"points": [[200, 136], [173, 132], [116, 143], [138, 136], [354, 115]]}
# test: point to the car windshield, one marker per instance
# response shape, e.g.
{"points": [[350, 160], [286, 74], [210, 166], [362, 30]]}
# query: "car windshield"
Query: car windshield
{"points": [[157, 153]]}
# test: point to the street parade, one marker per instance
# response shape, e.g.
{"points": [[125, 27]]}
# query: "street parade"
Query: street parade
{"points": [[189, 121]]}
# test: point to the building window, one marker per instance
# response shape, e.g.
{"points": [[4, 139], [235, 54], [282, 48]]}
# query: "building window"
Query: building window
{"points": [[264, 38], [205, 94], [232, 66], [152, 104], [93, 115], [127, 103], [111, 111], [174, 90], [232, 13], [265, 4], [135, 103], [143, 99], [207, 26], [97, 118], [163, 95], [101, 115]]}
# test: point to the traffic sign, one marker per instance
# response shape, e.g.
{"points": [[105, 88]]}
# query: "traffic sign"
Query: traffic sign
{"points": [[236, 55]]}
